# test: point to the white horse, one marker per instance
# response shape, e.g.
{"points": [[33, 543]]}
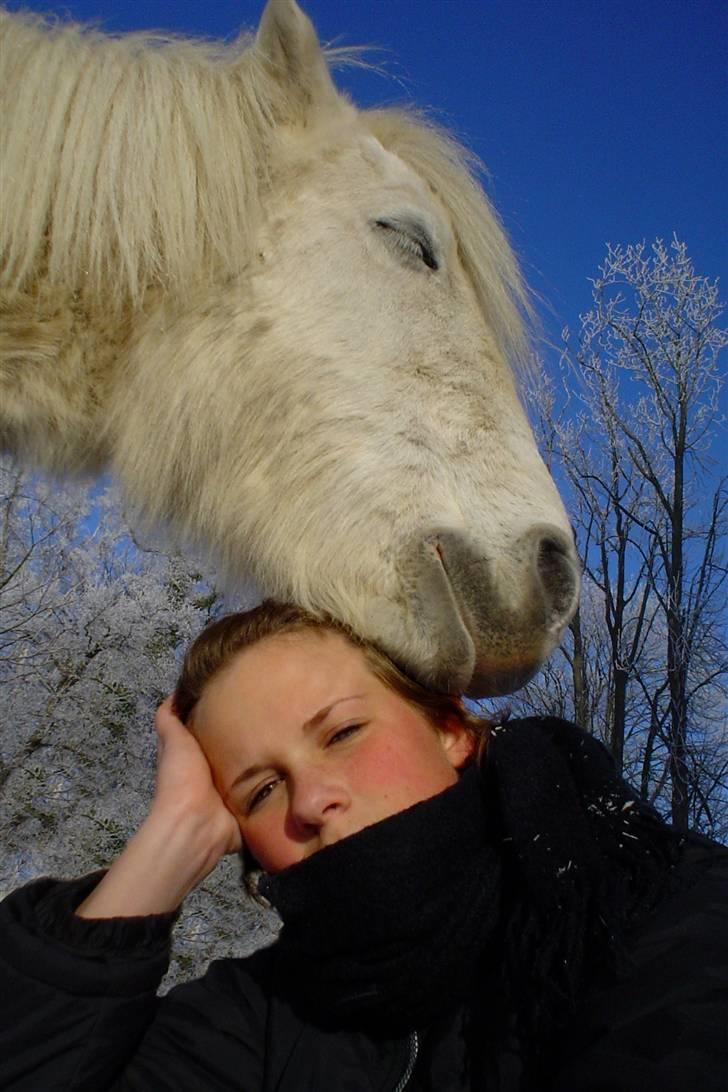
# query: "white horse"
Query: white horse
{"points": [[288, 326]]}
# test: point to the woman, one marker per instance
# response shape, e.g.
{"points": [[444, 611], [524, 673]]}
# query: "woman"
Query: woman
{"points": [[464, 906]]}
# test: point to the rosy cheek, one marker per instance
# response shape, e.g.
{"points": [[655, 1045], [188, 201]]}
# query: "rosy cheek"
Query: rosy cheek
{"points": [[380, 767], [402, 772]]}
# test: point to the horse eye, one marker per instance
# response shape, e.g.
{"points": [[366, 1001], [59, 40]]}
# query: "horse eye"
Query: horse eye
{"points": [[412, 238]]}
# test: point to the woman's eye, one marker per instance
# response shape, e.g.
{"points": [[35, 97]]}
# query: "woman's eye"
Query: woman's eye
{"points": [[261, 794], [344, 733]]}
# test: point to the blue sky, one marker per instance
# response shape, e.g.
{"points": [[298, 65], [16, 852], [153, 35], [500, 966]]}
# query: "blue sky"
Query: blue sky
{"points": [[598, 121]]}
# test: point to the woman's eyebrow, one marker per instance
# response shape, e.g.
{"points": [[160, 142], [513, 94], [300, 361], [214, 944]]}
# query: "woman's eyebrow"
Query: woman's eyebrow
{"points": [[322, 714], [307, 726]]}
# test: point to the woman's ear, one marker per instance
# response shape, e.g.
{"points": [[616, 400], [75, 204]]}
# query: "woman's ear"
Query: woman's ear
{"points": [[458, 741]]}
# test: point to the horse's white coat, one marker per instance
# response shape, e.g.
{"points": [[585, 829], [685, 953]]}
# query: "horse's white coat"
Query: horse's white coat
{"points": [[215, 281]]}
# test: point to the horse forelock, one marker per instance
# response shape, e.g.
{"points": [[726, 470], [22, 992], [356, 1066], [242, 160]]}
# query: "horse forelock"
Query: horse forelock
{"points": [[133, 161]]}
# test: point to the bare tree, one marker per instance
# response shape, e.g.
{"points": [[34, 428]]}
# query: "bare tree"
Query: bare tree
{"points": [[633, 434]]}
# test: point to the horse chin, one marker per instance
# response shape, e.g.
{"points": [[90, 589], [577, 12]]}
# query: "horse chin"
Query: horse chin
{"points": [[497, 679], [495, 676]]}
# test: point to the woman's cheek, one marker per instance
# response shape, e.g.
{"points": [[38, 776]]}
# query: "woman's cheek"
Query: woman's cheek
{"points": [[265, 837], [403, 771], [264, 846], [379, 766]]}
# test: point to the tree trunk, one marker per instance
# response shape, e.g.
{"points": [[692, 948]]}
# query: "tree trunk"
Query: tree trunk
{"points": [[678, 653], [578, 674], [619, 711]]}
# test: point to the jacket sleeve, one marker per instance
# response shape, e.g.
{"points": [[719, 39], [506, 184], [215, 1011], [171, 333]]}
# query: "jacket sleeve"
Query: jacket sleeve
{"points": [[663, 1026], [79, 1009]]}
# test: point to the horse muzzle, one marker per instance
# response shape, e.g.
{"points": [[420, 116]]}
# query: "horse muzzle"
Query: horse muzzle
{"points": [[490, 618]]}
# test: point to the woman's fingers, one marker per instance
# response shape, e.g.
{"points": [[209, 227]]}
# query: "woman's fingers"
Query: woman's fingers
{"points": [[186, 781], [165, 719], [173, 735]]}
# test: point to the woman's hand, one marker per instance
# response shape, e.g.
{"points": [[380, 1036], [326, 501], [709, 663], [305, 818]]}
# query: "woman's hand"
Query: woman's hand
{"points": [[185, 786], [186, 832]]}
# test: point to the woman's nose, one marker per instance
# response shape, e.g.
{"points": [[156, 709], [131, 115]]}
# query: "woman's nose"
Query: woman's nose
{"points": [[317, 798]]}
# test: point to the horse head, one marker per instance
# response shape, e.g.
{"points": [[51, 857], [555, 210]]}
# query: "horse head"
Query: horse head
{"points": [[345, 423], [320, 390]]}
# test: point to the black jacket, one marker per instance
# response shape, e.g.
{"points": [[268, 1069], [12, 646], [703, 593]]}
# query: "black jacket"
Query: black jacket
{"points": [[79, 1011]]}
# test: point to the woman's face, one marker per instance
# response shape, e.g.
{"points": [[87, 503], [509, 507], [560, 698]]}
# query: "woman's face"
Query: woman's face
{"points": [[307, 746]]}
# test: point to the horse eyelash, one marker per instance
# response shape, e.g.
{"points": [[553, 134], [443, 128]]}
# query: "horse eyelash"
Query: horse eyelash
{"points": [[414, 240]]}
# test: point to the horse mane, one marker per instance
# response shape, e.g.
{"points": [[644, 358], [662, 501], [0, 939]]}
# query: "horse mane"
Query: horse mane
{"points": [[142, 159]]}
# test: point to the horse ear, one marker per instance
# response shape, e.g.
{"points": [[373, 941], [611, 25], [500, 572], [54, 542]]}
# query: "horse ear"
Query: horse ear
{"points": [[289, 48]]}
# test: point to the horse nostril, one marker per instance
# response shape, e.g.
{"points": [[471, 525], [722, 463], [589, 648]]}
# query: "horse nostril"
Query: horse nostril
{"points": [[558, 572]]}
